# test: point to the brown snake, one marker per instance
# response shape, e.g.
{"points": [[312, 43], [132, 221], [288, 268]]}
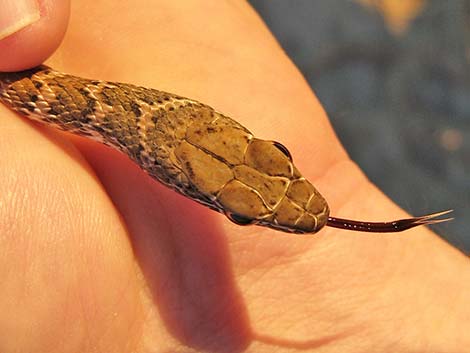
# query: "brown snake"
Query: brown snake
{"points": [[186, 145]]}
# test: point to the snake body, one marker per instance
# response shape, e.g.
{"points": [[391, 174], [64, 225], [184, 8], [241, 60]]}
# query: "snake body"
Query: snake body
{"points": [[182, 143]]}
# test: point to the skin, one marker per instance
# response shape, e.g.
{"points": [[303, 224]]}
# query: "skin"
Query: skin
{"points": [[97, 257]]}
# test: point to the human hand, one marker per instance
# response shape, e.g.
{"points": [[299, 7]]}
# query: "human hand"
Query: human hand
{"points": [[96, 256]]}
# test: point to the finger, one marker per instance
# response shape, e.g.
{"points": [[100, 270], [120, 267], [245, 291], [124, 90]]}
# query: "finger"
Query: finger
{"points": [[30, 31]]}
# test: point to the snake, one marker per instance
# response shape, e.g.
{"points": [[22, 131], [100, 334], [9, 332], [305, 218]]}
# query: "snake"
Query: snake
{"points": [[188, 146]]}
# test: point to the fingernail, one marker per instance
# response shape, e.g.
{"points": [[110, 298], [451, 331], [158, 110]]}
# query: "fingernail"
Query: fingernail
{"points": [[16, 15]]}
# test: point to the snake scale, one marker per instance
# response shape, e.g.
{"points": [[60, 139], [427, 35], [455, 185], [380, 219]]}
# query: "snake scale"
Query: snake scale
{"points": [[186, 145]]}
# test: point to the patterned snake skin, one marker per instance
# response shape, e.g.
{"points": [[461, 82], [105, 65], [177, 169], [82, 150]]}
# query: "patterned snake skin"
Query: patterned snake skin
{"points": [[182, 143]]}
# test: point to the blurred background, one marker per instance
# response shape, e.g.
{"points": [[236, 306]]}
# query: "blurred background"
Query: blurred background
{"points": [[394, 78]]}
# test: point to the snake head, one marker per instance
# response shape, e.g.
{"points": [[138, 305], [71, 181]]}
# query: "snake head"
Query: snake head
{"points": [[251, 181]]}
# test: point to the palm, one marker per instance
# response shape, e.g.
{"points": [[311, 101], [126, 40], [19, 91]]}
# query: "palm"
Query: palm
{"points": [[137, 260]]}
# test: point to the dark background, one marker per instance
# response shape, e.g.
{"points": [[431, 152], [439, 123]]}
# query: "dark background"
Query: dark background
{"points": [[400, 103]]}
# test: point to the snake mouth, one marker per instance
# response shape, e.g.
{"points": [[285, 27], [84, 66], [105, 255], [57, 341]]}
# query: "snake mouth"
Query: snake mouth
{"points": [[245, 221]]}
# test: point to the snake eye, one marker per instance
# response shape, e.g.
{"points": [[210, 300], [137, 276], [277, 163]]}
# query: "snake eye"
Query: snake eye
{"points": [[240, 220], [283, 149]]}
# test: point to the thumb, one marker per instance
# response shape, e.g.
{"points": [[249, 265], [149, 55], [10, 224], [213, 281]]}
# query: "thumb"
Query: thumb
{"points": [[30, 31]]}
